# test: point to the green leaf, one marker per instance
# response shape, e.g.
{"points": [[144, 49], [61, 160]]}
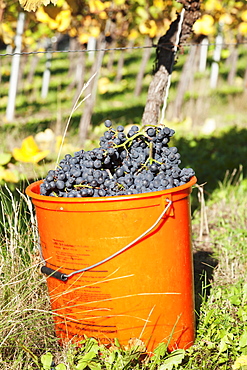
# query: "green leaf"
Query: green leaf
{"points": [[60, 367], [111, 357], [225, 342], [4, 158], [94, 366], [223, 345], [242, 313], [244, 299], [161, 350], [143, 14], [116, 341], [85, 360], [235, 300], [243, 339], [46, 360], [174, 359]]}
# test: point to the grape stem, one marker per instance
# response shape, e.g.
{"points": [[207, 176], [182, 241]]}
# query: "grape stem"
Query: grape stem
{"points": [[130, 139], [83, 186], [151, 151]]}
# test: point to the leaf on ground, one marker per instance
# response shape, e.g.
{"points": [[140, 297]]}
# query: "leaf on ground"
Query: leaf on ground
{"points": [[4, 158], [244, 299], [60, 367], [174, 359], [243, 339], [46, 360], [29, 151]]}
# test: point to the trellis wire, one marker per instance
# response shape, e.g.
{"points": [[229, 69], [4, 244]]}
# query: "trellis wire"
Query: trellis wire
{"points": [[112, 49]]}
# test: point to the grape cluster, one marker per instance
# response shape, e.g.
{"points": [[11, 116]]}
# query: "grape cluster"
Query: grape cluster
{"points": [[137, 162]]}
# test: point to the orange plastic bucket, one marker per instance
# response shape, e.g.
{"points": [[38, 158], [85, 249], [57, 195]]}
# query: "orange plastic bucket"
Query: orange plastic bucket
{"points": [[143, 284]]}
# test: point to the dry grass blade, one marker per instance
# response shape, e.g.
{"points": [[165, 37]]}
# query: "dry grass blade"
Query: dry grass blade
{"points": [[75, 107], [146, 321], [204, 229]]}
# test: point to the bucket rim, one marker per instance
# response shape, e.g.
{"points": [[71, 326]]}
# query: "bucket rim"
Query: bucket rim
{"points": [[34, 195]]}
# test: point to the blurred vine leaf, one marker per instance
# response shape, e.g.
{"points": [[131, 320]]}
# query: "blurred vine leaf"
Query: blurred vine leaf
{"points": [[29, 151], [4, 158], [32, 5], [8, 175]]}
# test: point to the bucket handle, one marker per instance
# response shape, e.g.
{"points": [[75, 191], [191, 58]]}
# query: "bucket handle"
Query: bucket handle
{"points": [[64, 277]]}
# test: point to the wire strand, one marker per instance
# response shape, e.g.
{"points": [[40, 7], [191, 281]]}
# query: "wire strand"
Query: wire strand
{"points": [[117, 48]]}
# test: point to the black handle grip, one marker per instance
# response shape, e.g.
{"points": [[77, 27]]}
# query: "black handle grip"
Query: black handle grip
{"points": [[53, 273]]}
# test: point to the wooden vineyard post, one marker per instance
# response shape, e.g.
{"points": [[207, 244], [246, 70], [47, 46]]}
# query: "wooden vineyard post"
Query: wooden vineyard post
{"points": [[10, 111], [216, 58], [47, 71], [92, 90], [203, 54], [165, 56]]}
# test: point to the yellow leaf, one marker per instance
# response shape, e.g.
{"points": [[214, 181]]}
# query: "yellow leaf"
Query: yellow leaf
{"points": [[29, 151], [158, 4], [6, 33], [60, 3], [103, 85], [87, 21], [204, 25], [226, 19], [96, 6], [143, 28], [83, 38], [244, 16], [7, 29], [133, 34], [148, 28], [63, 18], [8, 175], [213, 5], [42, 16], [119, 2], [242, 28], [53, 25], [94, 31], [103, 15], [33, 5], [73, 32], [153, 28], [56, 20], [240, 362]]}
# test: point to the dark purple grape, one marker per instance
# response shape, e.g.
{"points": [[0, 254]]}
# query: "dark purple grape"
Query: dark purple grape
{"points": [[60, 184], [135, 128], [151, 132], [108, 123], [120, 128], [108, 135], [97, 163]]}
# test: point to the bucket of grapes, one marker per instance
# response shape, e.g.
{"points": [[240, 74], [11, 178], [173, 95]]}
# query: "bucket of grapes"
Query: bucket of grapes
{"points": [[115, 234]]}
